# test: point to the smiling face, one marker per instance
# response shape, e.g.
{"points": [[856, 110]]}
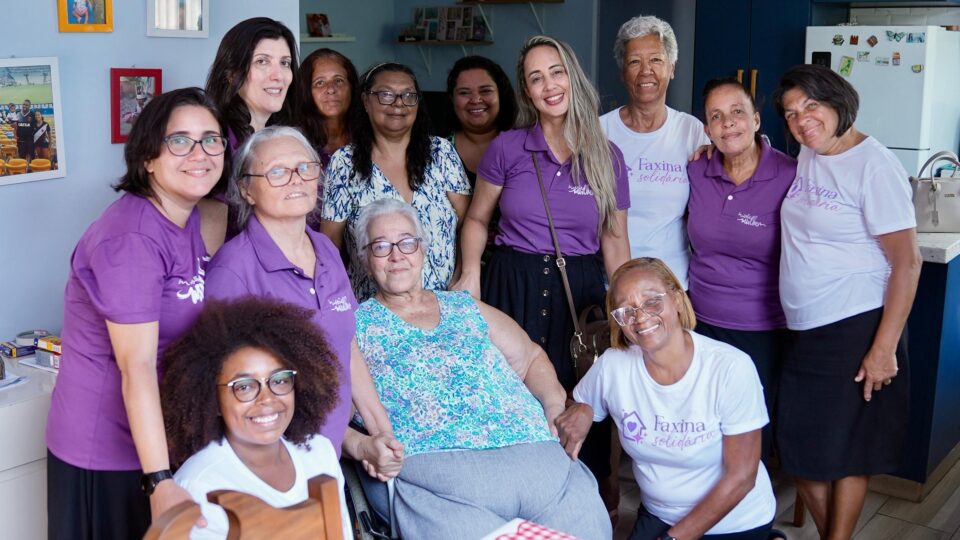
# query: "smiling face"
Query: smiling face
{"points": [[732, 121], [330, 87], [397, 272], [650, 332], [646, 70], [812, 123], [186, 179], [395, 119], [268, 79], [476, 101], [546, 81], [292, 201], [259, 422]]}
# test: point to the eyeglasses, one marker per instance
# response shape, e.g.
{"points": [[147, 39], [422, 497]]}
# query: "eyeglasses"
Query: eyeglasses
{"points": [[181, 145], [248, 388], [281, 176], [386, 97], [625, 316], [382, 248], [335, 83]]}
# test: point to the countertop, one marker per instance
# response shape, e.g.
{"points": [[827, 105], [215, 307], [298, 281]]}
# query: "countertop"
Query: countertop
{"points": [[938, 247], [39, 383]]}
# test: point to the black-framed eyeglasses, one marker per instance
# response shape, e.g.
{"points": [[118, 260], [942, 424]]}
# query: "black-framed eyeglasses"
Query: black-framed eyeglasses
{"points": [[181, 145], [386, 97], [281, 176], [627, 315], [246, 389], [382, 248]]}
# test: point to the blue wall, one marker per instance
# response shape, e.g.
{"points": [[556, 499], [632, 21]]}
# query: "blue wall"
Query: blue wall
{"points": [[40, 222], [370, 21]]}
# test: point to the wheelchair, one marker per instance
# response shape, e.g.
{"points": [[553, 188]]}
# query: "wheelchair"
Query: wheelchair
{"points": [[369, 502]]}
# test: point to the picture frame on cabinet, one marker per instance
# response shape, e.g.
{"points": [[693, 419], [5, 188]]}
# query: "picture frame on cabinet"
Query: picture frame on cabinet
{"points": [[178, 18], [31, 132], [130, 91], [85, 15]]}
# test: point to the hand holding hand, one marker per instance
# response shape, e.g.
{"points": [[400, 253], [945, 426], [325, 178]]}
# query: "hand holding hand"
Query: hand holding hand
{"points": [[382, 456], [572, 426], [877, 370]]}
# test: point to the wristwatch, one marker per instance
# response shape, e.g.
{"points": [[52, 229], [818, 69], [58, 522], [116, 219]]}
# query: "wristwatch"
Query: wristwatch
{"points": [[666, 536], [149, 481]]}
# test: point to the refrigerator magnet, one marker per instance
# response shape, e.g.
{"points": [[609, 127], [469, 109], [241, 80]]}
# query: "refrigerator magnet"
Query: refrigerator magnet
{"points": [[882, 61], [863, 56], [872, 41], [854, 40], [917, 37], [916, 68], [894, 36], [846, 65], [838, 39], [896, 59]]}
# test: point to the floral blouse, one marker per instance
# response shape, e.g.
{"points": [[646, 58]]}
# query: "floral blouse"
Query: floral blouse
{"points": [[449, 388], [346, 194]]}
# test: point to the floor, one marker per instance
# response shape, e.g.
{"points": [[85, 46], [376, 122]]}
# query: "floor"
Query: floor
{"points": [[883, 517]]}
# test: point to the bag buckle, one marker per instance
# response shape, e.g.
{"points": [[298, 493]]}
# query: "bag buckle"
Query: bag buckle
{"points": [[561, 262]]}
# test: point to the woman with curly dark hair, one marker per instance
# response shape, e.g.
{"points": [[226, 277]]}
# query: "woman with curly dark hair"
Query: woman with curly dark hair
{"points": [[328, 92], [392, 156], [243, 393]]}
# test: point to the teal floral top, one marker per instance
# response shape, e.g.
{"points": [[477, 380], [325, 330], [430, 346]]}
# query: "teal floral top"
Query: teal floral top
{"points": [[345, 194], [448, 388]]}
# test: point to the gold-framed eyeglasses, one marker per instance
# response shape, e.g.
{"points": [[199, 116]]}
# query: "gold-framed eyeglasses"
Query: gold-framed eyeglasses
{"points": [[246, 389]]}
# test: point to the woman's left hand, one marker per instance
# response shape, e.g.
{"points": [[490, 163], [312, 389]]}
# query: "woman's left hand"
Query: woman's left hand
{"points": [[573, 425], [167, 495], [877, 370]]}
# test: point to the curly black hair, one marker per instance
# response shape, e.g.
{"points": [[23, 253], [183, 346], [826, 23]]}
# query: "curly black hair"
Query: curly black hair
{"points": [[311, 121], [419, 155], [505, 95], [188, 391]]}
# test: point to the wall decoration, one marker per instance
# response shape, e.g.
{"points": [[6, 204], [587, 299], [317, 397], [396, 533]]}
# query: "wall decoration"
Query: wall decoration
{"points": [[178, 18], [318, 25], [85, 15], [31, 141], [130, 91]]}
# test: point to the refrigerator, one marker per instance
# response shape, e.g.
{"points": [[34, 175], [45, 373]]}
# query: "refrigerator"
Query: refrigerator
{"points": [[908, 79]]}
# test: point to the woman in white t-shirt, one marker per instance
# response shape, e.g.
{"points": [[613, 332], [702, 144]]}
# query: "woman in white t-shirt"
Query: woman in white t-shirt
{"points": [[849, 268], [656, 142], [689, 411], [244, 394]]}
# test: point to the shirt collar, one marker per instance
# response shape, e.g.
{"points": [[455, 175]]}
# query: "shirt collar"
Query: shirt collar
{"points": [[535, 141], [268, 252], [767, 167]]}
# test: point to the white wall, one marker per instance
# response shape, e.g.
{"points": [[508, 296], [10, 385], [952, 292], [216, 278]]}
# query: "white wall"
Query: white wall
{"points": [[40, 222]]}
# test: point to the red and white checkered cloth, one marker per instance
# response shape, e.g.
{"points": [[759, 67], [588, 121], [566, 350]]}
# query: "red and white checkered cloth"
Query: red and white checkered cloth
{"points": [[528, 530]]}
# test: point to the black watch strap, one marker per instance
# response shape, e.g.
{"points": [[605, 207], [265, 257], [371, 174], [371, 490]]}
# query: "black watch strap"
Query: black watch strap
{"points": [[666, 536], [149, 481]]}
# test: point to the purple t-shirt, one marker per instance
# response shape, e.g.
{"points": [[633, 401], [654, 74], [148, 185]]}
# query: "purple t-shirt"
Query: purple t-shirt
{"points": [[132, 266], [523, 220], [252, 264], [735, 235]]}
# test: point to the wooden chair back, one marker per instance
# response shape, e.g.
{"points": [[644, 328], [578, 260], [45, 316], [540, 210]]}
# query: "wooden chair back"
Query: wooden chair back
{"points": [[175, 523]]}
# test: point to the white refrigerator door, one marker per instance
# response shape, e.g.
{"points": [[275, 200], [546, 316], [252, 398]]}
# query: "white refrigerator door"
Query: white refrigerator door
{"points": [[893, 104]]}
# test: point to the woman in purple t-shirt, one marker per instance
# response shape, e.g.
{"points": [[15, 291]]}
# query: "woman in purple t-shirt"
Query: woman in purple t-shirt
{"points": [[136, 283]]}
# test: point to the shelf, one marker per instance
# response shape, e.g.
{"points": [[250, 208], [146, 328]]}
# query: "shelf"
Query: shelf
{"points": [[481, 2], [538, 17], [307, 38]]}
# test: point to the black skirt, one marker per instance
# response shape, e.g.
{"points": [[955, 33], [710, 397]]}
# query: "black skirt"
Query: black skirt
{"points": [[825, 430]]}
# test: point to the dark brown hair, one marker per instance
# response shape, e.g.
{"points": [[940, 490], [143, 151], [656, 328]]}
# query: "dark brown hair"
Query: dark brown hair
{"points": [[311, 121], [824, 85], [507, 98]]}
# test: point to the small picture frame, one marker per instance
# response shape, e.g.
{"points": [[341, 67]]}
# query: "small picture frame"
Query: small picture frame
{"points": [[31, 131], [130, 91], [85, 15], [178, 18]]}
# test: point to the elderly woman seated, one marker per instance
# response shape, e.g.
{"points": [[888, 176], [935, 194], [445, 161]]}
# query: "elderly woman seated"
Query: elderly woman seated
{"points": [[689, 410], [471, 398], [244, 394]]}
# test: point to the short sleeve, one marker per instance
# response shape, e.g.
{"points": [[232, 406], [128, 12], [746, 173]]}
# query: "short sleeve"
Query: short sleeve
{"points": [[222, 283], [590, 390], [740, 403], [452, 174], [492, 167], [887, 200], [125, 279], [621, 178], [336, 193]]}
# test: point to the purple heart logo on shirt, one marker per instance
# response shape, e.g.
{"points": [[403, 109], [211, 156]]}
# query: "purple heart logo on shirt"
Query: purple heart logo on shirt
{"points": [[631, 426]]}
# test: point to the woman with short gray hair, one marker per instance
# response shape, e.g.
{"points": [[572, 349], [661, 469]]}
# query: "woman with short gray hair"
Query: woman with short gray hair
{"points": [[656, 142], [276, 255]]}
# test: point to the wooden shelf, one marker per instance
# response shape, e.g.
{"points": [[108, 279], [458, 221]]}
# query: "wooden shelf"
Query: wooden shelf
{"points": [[481, 2], [307, 38]]}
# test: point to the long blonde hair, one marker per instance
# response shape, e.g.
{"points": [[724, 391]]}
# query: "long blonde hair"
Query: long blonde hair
{"points": [[591, 152]]}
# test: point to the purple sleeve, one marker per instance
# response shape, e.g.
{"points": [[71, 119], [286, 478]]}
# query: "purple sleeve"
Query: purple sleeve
{"points": [[125, 278], [623, 182], [222, 283], [491, 167]]}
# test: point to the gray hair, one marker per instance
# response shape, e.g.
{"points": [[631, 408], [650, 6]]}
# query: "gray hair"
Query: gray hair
{"points": [[645, 25], [244, 157], [380, 208]]}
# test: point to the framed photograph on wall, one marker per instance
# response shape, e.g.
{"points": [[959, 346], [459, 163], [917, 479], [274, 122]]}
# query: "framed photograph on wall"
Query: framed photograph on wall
{"points": [[31, 141], [130, 91], [85, 15], [178, 18]]}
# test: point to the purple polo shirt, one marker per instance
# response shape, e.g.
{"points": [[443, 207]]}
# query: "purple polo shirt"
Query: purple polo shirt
{"points": [[735, 235], [252, 264], [523, 220], [131, 266]]}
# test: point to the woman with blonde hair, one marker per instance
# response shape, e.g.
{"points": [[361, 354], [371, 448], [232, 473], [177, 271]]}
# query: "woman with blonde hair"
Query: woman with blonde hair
{"points": [[584, 180]]}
